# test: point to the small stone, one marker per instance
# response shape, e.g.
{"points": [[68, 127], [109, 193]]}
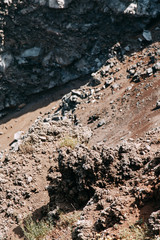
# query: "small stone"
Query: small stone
{"points": [[43, 138], [29, 179], [5, 61], [127, 48], [32, 52], [15, 145], [158, 104], [157, 66], [76, 92], [149, 71], [131, 9], [18, 135], [147, 35], [115, 86], [108, 82], [101, 123], [59, 3]]}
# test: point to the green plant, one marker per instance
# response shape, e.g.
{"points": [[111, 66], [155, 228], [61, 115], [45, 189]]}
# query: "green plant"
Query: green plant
{"points": [[68, 142], [36, 230]]}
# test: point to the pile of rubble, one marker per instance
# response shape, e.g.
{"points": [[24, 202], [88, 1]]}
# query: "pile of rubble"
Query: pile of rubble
{"points": [[107, 182]]}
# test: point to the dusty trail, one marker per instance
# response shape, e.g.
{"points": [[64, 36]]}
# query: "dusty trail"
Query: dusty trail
{"points": [[20, 123], [22, 119]]}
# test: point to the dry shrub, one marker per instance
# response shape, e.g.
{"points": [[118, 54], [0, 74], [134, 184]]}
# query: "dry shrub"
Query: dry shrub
{"points": [[36, 230], [68, 219], [26, 147], [68, 142]]}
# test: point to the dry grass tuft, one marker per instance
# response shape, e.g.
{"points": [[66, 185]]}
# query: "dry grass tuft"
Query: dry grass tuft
{"points": [[36, 230], [68, 142], [26, 147]]}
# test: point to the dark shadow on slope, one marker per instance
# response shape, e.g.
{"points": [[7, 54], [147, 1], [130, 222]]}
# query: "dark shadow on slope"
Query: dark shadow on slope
{"points": [[147, 209], [47, 215], [36, 216], [156, 108], [43, 99]]}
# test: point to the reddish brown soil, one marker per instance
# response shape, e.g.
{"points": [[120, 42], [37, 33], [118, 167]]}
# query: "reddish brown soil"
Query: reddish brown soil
{"points": [[126, 119]]}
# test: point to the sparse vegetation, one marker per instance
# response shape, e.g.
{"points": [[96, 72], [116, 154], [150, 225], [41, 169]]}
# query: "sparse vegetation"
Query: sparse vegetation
{"points": [[68, 142], [137, 232], [26, 147], [36, 230], [64, 225], [68, 219]]}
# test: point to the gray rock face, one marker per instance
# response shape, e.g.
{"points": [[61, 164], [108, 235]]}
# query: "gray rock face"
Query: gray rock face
{"points": [[138, 8], [69, 39], [147, 7]]}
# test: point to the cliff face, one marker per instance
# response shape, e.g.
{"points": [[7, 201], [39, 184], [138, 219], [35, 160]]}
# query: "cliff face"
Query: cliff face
{"points": [[138, 7], [48, 43]]}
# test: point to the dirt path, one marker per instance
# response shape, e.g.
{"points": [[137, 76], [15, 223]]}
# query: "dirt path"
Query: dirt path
{"points": [[21, 120]]}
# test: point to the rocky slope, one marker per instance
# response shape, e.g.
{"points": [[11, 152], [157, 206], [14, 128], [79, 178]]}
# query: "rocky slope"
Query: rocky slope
{"points": [[48, 43], [91, 163], [96, 153]]}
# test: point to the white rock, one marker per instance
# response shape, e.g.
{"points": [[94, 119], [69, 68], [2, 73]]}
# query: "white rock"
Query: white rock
{"points": [[29, 179], [132, 8], [158, 104], [157, 66], [59, 3], [149, 71], [5, 61], [18, 135], [9, 2], [15, 145]]}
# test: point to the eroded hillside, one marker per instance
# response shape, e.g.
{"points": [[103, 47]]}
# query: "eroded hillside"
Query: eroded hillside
{"points": [[85, 155]]}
